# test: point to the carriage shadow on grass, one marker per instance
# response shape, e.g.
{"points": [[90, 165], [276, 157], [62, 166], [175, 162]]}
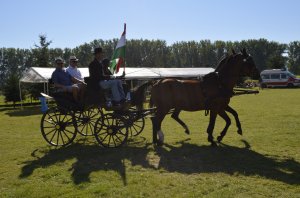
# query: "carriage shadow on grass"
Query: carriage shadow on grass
{"points": [[182, 157], [89, 158]]}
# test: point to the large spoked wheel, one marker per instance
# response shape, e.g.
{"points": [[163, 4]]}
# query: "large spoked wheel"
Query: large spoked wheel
{"points": [[111, 130], [86, 121], [58, 128]]}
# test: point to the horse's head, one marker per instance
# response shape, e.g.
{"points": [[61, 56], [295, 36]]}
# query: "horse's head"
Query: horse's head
{"points": [[248, 67]]}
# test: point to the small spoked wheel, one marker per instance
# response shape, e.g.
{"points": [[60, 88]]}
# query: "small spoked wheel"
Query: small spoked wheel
{"points": [[135, 125], [58, 127], [136, 122], [86, 121], [111, 130]]}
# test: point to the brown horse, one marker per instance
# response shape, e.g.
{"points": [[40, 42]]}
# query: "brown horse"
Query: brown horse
{"points": [[212, 93]]}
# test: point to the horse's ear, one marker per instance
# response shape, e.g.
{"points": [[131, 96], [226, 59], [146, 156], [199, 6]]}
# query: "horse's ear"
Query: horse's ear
{"points": [[233, 52], [244, 52]]}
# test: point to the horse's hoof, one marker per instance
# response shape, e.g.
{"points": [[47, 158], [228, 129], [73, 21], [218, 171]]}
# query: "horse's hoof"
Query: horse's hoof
{"points": [[219, 138], [240, 131], [213, 144], [159, 143], [187, 132]]}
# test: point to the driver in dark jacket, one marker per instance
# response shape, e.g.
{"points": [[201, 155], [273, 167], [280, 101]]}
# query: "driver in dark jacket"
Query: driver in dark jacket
{"points": [[100, 75]]}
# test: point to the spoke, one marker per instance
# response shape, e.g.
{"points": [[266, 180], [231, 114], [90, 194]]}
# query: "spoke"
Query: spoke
{"points": [[50, 132], [65, 115], [67, 136], [130, 130], [118, 138], [53, 135], [105, 137], [134, 128], [91, 128], [102, 133], [49, 121], [48, 127], [54, 117], [81, 131], [86, 129], [69, 131], [109, 140], [80, 124], [68, 120], [58, 137], [120, 131], [114, 140], [62, 138]]}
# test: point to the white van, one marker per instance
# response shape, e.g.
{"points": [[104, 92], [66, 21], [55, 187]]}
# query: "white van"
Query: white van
{"points": [[278, 78]]}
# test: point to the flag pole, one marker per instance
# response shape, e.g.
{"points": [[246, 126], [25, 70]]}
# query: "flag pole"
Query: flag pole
{"points": [[125, 50]]}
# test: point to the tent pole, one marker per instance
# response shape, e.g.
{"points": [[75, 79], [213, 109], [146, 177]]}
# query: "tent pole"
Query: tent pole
{"points": [[20, 94], [47, 87]]}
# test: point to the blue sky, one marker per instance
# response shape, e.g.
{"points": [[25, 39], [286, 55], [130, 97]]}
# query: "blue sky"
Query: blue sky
{"points": [[69, 23]]}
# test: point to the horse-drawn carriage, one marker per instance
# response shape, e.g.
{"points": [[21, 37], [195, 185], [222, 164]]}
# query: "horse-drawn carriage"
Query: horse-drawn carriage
{"points": [[60, 124], [111, 126]]}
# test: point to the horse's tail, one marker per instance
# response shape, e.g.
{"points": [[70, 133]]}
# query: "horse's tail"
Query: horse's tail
{"points": [[139, 95]]}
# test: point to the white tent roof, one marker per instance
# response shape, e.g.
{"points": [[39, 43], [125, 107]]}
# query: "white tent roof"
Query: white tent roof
{"points": [[42, 75]]}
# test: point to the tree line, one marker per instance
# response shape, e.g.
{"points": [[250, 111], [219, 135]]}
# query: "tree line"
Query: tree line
{"points": [[149, 53]]}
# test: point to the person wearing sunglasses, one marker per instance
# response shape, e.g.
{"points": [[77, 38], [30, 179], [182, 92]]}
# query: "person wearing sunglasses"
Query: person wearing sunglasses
{"points": [[64, 82], [72, 68]]}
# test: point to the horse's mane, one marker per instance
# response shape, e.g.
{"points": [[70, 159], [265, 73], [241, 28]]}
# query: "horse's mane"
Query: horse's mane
{"points": [[226, 59]]}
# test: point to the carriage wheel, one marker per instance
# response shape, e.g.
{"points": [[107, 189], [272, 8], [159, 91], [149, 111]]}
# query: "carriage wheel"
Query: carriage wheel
{"points": [[58, 128], [135, 123], [137, 127], [86, 121], [111, 130]]}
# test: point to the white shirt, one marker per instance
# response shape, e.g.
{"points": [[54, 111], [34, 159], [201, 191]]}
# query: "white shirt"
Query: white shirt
{"points": [[74, 71]]}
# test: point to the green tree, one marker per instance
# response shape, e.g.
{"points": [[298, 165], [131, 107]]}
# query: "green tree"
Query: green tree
{"points": [[42, 52], [11, 89], [294, 57]]}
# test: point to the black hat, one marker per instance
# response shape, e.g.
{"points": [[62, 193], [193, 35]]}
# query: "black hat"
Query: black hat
{"points": [[98, 50]]}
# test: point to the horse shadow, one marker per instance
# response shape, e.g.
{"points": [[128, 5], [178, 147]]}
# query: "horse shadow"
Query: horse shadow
{"points": [[181, 157], [190, 158], [89, 158]]}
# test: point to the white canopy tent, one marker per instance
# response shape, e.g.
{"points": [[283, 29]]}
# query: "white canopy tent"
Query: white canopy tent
{"points": [[42, 75]]}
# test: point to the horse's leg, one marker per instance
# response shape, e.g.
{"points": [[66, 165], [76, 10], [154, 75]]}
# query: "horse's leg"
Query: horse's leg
{"points": [[236, 117], [224, 115], [210, 128], [154, 129], [156, 123], [175, 116]]}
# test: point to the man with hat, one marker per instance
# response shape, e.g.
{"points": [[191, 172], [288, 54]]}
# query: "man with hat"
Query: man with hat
{"points": [[72, 68], [65, 82], [100, 75]]}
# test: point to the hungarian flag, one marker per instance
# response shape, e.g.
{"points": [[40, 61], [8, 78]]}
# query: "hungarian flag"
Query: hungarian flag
{"points": [[118, 57]]}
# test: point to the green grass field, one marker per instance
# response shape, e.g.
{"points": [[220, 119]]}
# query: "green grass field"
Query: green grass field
{"points": [[264, 162]]}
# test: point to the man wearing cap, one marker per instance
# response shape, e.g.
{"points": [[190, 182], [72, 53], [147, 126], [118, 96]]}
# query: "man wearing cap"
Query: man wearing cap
{"points": [[100, 76], [65, 82], [72, 68]]}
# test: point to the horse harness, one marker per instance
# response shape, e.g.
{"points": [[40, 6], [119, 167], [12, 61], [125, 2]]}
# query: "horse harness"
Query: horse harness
{"points": [[209, 80]]}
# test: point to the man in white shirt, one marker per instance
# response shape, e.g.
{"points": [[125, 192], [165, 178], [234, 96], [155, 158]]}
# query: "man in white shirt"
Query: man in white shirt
{"points": [[72, 68]]}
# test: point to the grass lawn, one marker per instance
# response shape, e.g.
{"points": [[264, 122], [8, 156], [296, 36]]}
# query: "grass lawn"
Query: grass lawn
{"points": [[264, 162]]}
